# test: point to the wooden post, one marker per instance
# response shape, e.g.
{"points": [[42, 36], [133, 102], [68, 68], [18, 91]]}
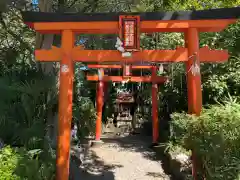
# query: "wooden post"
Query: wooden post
{"points": [[65, 107], [155, 124], [193, 82], [99, 105]]}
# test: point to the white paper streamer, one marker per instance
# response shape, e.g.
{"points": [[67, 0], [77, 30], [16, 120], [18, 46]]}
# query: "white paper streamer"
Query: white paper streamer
{"points": [[160, 69], [195, 68], [119, 46], [100, 75]]}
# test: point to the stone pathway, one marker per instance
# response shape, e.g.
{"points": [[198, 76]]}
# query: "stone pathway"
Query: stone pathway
{"points": [[125, 158]]}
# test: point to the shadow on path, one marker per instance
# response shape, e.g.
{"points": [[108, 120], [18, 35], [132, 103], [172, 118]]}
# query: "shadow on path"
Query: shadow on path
{"points": [[140, 143], [92, 169], [95, 168]]}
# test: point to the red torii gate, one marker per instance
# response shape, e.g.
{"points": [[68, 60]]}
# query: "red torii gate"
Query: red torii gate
{"points": [[101, 78], [68, 24]]}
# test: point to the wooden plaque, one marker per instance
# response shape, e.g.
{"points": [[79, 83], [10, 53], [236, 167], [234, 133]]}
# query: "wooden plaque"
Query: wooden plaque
{"points": [[129, 32]]}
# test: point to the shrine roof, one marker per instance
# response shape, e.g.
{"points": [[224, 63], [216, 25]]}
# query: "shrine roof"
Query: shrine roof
{"points": [[222, 13]]}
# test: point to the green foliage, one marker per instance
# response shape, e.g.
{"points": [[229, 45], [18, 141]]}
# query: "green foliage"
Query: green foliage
{"points": [[200, 5], [8, 163], [215, 138], [84, 114], [18, 164], [24, 109]]}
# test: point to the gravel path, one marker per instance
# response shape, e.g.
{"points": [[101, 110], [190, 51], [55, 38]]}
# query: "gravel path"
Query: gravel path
{"points": [[121, 159]]}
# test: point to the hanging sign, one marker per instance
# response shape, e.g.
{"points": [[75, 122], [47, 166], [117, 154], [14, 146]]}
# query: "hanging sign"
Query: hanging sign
{"points": [[129, 32]]}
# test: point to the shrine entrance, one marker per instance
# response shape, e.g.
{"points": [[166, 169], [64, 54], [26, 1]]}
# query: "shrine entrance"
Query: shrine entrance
{"points": [[128, 26], [127, 77]]}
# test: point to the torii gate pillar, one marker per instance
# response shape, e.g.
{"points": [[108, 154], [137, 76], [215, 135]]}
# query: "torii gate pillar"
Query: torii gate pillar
{"points": [[193, 82], [99, 104], [155, 124], [65, 106]]}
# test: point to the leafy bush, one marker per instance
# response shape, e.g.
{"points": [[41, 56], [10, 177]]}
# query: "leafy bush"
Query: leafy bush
{"points": [[8, 164], [215, 138], [84, 113], [85, 117], [18, 164], [29, 97]]}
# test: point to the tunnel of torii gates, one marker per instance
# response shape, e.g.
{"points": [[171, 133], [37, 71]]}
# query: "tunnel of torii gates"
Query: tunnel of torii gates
{"points": [[128, 55]]}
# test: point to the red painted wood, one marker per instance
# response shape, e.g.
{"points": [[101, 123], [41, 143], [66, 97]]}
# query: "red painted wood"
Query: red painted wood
{"points": [[155, 123]]}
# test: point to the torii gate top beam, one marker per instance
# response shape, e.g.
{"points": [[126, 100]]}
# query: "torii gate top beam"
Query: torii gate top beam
{"points": [[105, 23], [212, 20]]}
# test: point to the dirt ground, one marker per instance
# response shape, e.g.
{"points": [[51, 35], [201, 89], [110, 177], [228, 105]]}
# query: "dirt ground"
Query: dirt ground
{"points": [[125, 158]]}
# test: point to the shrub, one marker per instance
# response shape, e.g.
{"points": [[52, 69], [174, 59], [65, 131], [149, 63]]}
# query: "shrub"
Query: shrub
{"points": [[215, 138], [8, 164], [18, 164], [85, 117]]}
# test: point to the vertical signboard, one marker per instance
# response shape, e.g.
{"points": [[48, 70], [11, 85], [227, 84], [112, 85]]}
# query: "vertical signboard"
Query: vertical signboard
{"points": [[129, 32]]}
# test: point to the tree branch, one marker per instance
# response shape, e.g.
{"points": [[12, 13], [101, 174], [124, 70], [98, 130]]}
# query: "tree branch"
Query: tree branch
{"points": [[72, 4], [15, 36]]}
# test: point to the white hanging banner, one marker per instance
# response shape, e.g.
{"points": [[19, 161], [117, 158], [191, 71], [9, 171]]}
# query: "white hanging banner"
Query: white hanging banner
{"points": [[126, 54], [127, 70], [195, 68], [100, 74], [154, 85], [118, 43], [160, 69]]}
